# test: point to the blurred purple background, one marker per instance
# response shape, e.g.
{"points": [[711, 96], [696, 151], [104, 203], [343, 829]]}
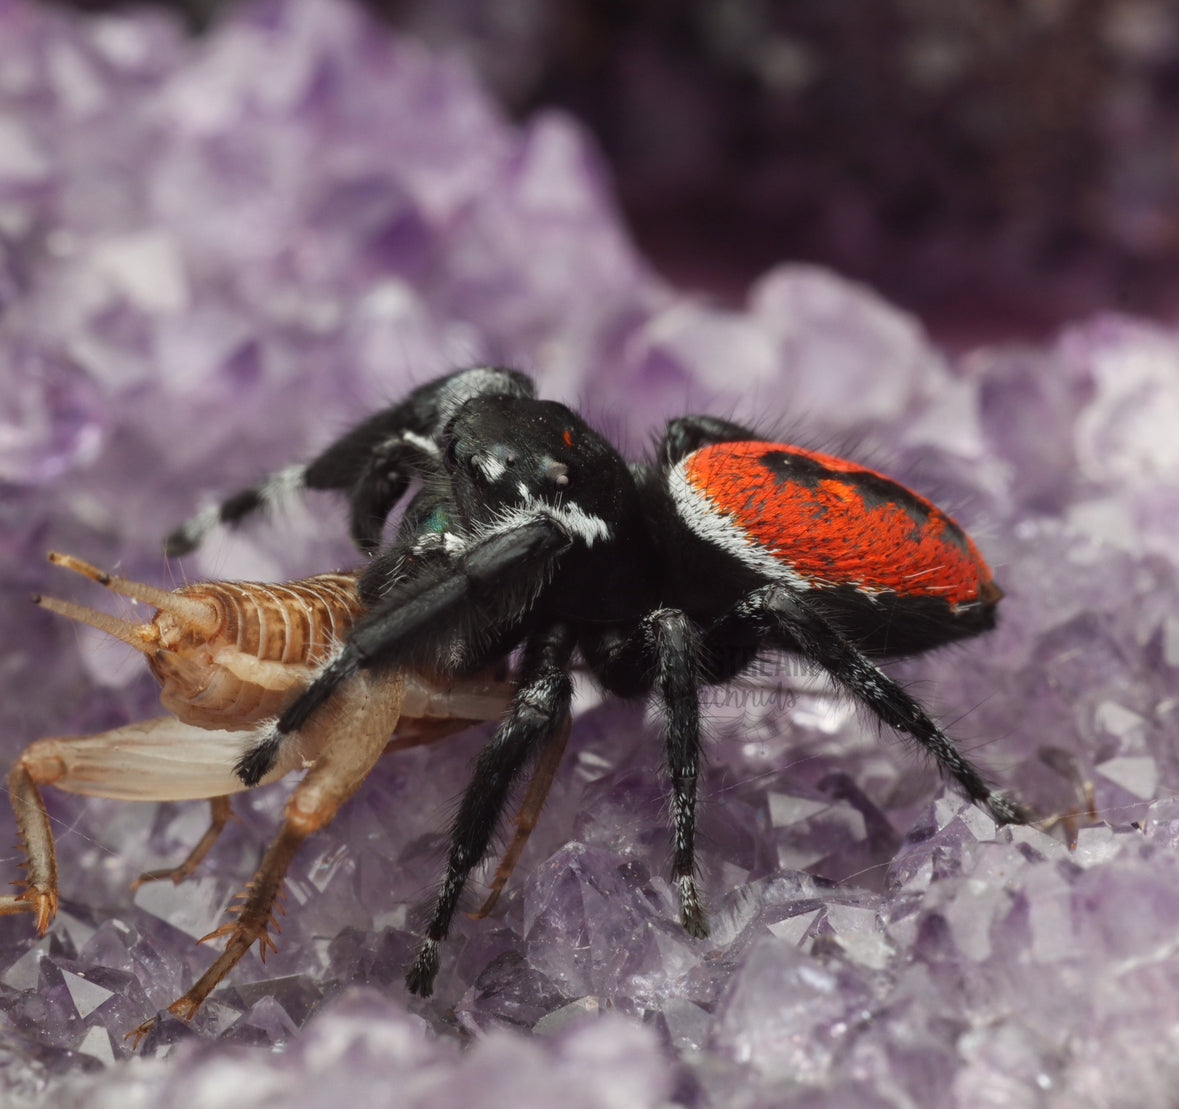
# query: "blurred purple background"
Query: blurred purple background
{"points": [[997, 168]]}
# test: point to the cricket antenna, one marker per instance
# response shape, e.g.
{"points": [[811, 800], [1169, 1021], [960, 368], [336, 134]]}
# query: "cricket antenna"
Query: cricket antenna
{"points": [[201, 615]]}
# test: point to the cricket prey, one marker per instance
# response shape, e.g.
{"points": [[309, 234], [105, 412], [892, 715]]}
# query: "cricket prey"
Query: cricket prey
{"points": [[230, 656]]}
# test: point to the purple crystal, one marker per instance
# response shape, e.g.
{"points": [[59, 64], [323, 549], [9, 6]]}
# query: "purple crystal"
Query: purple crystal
{"points": [[215, 255]]}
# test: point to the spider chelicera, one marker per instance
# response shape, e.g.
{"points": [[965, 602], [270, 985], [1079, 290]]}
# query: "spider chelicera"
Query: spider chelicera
{"points": [[531, 533]]}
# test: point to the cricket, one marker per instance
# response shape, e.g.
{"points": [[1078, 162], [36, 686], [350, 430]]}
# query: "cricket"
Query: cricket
{"points": [[230, 656]]}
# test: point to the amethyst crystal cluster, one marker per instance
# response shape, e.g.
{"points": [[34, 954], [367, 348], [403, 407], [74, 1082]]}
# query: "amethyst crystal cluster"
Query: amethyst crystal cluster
{"points": [[213, 257]]}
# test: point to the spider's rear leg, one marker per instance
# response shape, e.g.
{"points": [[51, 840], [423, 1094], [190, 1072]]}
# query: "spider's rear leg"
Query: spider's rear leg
{"points": [[351, 733], [780, 614], [536, 719]]}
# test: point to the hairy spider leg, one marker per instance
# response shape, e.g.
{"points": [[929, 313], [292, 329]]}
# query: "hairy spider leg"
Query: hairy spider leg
{"points": [[778, 614], [663, 652], [383, 482], [501, 572], [536, 719], [373, 463]]}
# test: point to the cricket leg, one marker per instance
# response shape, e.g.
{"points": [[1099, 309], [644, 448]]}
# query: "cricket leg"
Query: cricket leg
{"points": [[220, 813], [355, 725], [39, 892], [412, 733], [154, 760], [423, 733], [440, 710], [526, 819]]}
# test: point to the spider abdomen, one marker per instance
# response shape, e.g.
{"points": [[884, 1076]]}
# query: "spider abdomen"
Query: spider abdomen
{"points": [[894, 570]]}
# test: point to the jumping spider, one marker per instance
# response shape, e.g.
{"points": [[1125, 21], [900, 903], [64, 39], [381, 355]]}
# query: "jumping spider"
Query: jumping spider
{"points": [[531, 537]]}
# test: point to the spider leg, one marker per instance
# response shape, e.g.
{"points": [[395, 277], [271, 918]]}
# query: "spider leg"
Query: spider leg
{"points": [[535, 720], [677, 676], [267, 494], [526, 819], [686, 434], [488, 584], [664, 651], [383, 481], [781, 615], [372, 463]]}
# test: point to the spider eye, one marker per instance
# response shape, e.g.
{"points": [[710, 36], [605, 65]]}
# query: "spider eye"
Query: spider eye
{"points": [[450, 458], [557, 473]]}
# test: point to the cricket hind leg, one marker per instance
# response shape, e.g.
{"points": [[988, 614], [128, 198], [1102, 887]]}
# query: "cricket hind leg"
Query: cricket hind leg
{"points": [[92, 765], [162, 759], [417, 734], [360, 718], [221, 808]]}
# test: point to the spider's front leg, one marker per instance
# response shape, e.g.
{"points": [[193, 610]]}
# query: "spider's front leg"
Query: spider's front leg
{"points": [[481, 592], [372, 464], [536, 720], [780, 615]]}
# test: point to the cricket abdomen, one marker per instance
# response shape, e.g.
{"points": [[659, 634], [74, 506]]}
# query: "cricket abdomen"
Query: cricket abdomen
{"points": [[261, 646]]}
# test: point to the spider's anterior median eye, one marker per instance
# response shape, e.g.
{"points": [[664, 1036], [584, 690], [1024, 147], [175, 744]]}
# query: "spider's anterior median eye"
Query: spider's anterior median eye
{"points": [[450, 458]]}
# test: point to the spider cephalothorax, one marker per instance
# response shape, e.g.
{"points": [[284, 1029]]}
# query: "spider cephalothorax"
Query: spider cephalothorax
{"points": [[531, 533]]}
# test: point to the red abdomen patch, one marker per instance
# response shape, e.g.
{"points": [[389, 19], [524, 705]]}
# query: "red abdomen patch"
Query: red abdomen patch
{"points": [[822, 522]]}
